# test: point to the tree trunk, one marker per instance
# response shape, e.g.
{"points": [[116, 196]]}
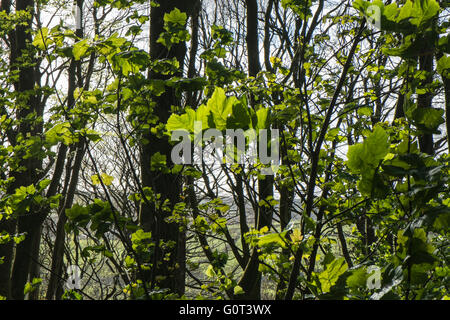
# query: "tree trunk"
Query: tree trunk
{"points": [[424, 101], [251, 279], [446, 81], [170, 274], [8, 226], [35, 266], [28, 106], [58, 249]]}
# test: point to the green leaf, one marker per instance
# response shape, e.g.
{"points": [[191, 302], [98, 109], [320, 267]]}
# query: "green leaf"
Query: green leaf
{"points": [[365, 157], [19, 238], [60, 133], [394, 170], [376, 146], [365, 111], [106, 179], [41, 40], [91, 134], [202, 114], [43, 184], [358, 278], [219, 224], [129, 261], [176, 17], [263, 118], [406, 11], [140, 236], [221, 107], [182, 122], [273, 238], [238, 290], [423, 11], [158, 161], [427, 119], [240, 117], [354, 156], [210, 271], [157, 86], [77, 212], [31, 286], [416, 248], [331, 274], [201, 224], [443, 66], [80, 48]]}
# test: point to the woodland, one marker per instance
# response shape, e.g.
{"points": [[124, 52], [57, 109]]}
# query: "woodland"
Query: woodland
{"points": [[352, 96]]}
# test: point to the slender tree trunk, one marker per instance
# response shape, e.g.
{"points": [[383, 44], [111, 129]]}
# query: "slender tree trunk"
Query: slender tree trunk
{"points": [[58, 249], [251, 279], [286, 199], [191, 72], [344, 246], [399, 112]]}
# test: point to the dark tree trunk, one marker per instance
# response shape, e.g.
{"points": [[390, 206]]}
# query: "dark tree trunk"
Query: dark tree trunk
{"points": [[58, 249], [446, 81], [171, 273], [425, 100], [9, 226], [35, 264], [28, 106]]}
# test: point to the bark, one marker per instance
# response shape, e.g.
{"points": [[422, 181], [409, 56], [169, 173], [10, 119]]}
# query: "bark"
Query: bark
{"points": [[399, 112], [344, 247]]}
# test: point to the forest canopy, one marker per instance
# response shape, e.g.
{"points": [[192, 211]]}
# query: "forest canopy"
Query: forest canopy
{"points": [[224, 149]]}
